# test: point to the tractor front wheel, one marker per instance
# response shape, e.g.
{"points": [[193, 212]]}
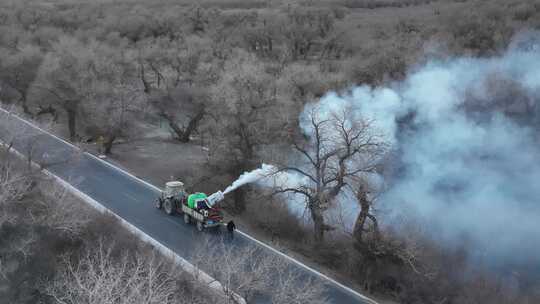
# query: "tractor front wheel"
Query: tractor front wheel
{"points": [[168, 206], [158, 203], [187, 218], [200, 226]]}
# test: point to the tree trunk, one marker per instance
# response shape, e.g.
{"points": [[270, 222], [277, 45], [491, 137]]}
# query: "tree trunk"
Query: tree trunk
{"points": [[367, 260], [146, 84], [173, 125], [24, 104], [358, 231], [72, 115], [318, 223], [108, 144], [184, 136]]}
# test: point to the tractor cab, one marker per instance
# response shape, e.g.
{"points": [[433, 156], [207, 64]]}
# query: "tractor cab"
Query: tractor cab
{"points": [[172, 197], [174, 189]]}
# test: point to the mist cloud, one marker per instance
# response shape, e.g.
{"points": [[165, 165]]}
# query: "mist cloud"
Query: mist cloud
{"points": [[465, 132]]}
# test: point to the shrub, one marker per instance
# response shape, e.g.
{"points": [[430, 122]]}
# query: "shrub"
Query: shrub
{"points": [[339, 13], [481, 33], [274, 218], [391, 65], [407, 27]]}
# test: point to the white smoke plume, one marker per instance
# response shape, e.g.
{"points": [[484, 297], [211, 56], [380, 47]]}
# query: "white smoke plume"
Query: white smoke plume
{"points": [[250, 177], [465, 132], [269, 176], [466, 138]]}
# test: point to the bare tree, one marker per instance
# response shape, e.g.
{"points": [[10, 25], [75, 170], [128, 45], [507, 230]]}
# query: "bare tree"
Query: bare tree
{"points": [[247, 117], [262, 37], [247, 111], [59, 211], [239, 270], [366, 214], [168, 74], [13, 186], [293, 287], [378, 248], [14, 180], [181, 104], [93, 84], [18, 71], [66, 78], [8, 180], [339, 148], [304, 31], [118, 98], [31, 17], [198, 20], [201, 19], [249, 271], [98, 276]]}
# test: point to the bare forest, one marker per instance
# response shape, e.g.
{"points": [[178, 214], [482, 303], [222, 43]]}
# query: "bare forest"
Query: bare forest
{"points": [[224, 86]]}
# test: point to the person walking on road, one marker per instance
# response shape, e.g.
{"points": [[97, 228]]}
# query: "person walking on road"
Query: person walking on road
{"points": [[231, 227]]}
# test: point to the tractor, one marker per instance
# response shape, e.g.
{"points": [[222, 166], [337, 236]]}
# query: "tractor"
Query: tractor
{"points": [[196, 207]]}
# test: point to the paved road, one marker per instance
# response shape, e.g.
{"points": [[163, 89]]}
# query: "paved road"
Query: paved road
{"points": [[128, 197]]}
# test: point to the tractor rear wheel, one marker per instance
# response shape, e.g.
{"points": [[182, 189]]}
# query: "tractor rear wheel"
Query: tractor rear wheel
{"points": [[187, 218], [200, 226], [168, 206]]}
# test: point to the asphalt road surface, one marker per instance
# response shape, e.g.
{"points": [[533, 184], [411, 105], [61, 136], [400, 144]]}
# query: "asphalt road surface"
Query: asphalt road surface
{"points": [[130, 198]]}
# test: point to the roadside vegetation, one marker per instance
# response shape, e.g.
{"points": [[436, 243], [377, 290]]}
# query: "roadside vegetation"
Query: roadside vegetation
{"points": [[232, 77], [57, 249]]}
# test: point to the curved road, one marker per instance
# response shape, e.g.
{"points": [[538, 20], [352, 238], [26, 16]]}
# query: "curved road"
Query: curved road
{"points": [[131, 198]]}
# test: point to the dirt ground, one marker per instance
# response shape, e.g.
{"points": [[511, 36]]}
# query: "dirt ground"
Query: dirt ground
{"points": [[159, 160]]}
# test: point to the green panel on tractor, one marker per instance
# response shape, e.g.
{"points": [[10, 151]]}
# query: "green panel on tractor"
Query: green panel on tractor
{"points": [[192, 198]]}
